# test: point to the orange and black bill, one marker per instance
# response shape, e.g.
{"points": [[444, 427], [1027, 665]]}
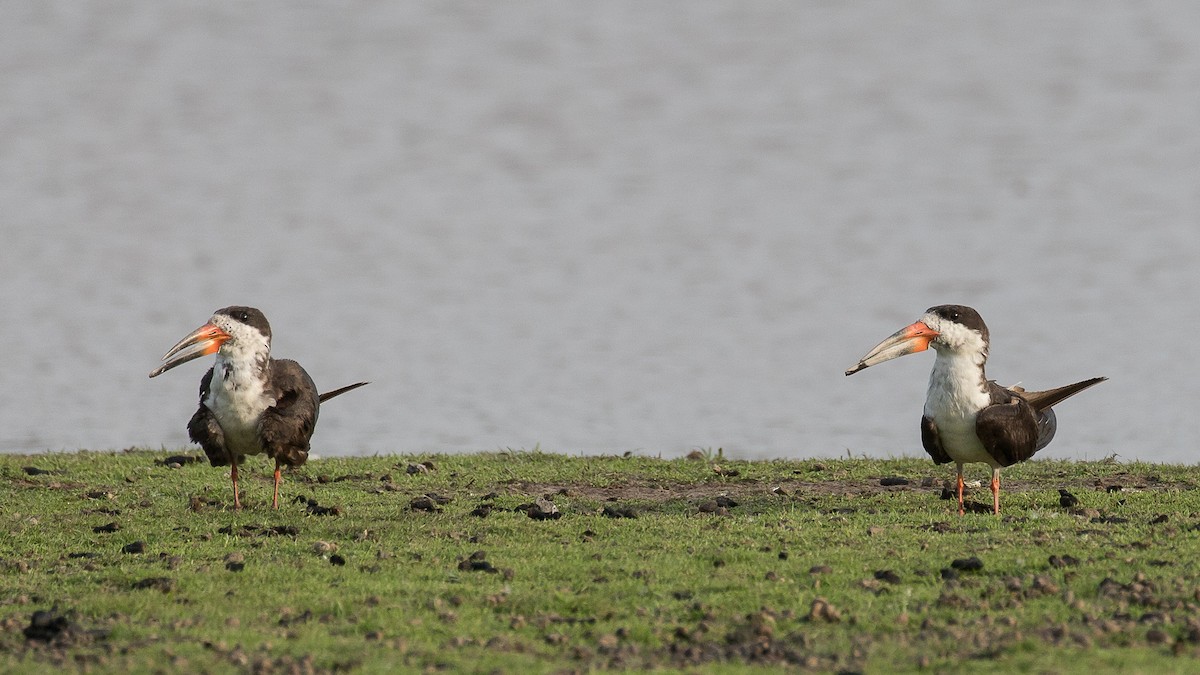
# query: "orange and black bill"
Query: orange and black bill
{"points": [[205, 340], [908, 340]]}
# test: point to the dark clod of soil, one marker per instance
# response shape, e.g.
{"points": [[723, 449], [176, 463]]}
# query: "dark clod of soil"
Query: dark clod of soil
{"points": [[1067, 500], [164, 584], [1109, 520], [197, 504], [476, 562], [1063, 561], [35, 471], [255, 530], [947, 493], [45, 625], [949, 574], [315, 509], [286, 619], [619, 512], [972, 564], [482, 511], [235, 566], [337, 560], [135, 547], [1159, 519], [820, 569], [108, 528], [440, 500], [83, 554], [176, 461], [888, 576], [424, 503], [894, 480]]}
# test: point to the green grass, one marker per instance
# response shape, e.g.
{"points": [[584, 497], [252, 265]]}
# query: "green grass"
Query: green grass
{"points": [[688, 584]]}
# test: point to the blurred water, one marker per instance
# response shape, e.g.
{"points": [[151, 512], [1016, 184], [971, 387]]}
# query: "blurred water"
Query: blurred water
{"points": [[598, 227]]}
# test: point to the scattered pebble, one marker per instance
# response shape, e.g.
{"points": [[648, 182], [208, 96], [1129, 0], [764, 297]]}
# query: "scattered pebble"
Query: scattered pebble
{"points": [[424, 503], [821, 610], [541, 509]]}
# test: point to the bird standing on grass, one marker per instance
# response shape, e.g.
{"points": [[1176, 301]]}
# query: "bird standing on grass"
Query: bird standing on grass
{"points": [[969, 418], [250, 403]]}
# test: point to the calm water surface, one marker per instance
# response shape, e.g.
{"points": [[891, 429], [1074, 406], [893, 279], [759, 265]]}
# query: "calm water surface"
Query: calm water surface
{"points": [[599, 227]]}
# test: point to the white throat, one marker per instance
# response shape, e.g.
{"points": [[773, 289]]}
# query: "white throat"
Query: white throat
{"points": [[957, 392], [956, 385]]}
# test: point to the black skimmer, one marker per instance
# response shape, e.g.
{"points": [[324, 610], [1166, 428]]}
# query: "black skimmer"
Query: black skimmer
{"points": [[969, 418], [250, 403]]}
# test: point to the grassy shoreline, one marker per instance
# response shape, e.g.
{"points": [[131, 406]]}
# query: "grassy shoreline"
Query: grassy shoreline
{"points": [[678, 564]]}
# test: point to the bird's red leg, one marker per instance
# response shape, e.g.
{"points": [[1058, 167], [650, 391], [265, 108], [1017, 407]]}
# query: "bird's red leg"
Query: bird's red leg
{"points": [[237, 503], [996, 491], [961, 510], [275, 499]]}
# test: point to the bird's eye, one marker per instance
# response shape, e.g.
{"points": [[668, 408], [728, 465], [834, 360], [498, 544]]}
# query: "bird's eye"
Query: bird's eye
{"points": [[242, 316], [953, 315]]}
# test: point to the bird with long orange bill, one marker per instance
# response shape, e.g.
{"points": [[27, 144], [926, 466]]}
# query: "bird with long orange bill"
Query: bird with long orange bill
{"points": [[250, 403], [969, 418]]}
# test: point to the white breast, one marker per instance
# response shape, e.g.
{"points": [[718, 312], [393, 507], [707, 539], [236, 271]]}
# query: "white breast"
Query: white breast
{"points": [[956, 395], [237, 398]]}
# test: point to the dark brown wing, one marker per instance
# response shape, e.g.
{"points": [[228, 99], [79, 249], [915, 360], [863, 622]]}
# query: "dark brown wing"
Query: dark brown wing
{"points": [[1010, 430], [933, 442], [203, 428], [288, 425]]}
